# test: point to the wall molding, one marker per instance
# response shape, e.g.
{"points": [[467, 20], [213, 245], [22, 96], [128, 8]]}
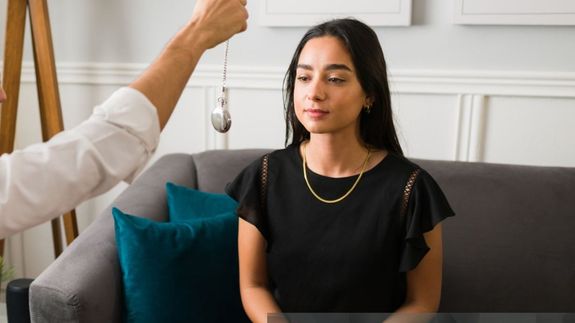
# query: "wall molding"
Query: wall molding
{"points": [[489, 83], [517, 12], [438, 81], [277, 13], [470, 127]]}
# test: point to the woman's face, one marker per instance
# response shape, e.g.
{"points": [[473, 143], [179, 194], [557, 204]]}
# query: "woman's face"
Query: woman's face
{"points": [[328, 97]]}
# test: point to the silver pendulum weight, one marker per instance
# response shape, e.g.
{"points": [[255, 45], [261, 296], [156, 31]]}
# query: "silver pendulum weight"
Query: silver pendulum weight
{"points": [[221, 118]]}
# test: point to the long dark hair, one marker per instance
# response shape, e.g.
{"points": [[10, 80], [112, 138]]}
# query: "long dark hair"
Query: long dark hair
{"points": [[376, 127]]}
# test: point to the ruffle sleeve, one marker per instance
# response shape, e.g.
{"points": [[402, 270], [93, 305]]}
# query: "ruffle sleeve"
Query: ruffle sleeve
{"points": [[247, 190], [426, 208]]}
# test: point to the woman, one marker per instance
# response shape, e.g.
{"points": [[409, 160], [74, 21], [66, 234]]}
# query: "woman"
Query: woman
{"points": [[339, 221]]}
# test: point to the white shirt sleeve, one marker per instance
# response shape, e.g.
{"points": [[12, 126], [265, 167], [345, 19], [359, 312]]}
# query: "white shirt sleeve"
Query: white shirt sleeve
{"points": [[48, 179]]}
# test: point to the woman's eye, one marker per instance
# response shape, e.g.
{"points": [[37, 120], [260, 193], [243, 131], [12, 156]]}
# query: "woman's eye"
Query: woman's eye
{"points": [[302, 78], [336, 80]]}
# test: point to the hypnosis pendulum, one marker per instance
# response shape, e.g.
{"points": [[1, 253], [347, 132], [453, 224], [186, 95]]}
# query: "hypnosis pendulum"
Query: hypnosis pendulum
{"points": [[221, 119]]}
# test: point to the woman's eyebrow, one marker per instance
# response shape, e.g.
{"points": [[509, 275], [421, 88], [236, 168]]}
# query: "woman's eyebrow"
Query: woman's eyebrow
{"points": [[329, 67]]}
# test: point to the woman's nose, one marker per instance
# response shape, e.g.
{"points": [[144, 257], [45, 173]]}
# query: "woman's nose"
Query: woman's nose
{"points": [[316, 91]]}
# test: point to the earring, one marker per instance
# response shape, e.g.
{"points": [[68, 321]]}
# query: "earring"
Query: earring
{"points": [[367, 108]]}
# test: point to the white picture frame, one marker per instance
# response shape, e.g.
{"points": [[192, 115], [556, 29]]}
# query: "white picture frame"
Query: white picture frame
{"points": [[305, 13], [514, 12]]}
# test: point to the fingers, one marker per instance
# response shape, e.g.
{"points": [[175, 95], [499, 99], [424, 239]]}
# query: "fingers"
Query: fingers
{"points": [[245, 18], [218, 20], [242, 14]]}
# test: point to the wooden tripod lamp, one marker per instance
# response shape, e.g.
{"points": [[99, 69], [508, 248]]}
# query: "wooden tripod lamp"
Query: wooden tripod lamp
{"points": [[47, 84]]}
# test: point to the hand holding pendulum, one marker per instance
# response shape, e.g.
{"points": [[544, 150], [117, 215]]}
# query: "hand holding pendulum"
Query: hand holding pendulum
{"points": [[221, 119]]}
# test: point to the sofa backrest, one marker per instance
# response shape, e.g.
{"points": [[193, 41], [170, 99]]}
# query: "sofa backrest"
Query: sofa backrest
{"points": [[508, 249], [216, 168]]}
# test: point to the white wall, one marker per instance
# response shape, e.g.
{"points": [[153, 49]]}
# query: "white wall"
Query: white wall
{"points": [[472, 93]]}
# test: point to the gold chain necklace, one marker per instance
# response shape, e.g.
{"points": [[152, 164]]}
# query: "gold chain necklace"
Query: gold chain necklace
{"points": [[344, 195]]}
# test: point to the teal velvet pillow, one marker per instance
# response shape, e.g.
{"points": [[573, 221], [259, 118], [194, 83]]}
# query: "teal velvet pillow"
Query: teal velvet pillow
{"points": [[186, 203], [184, 271]]}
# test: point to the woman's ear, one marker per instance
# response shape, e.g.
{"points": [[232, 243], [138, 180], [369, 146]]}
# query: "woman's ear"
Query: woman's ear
{"points": [[368, 101]]}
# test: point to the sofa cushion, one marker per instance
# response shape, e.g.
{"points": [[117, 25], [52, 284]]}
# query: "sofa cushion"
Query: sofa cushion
{"points": [[185, 203], [184, 270]]}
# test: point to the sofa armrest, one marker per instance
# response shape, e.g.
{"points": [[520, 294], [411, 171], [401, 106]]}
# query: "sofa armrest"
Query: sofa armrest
{"points": [[85, 283]]}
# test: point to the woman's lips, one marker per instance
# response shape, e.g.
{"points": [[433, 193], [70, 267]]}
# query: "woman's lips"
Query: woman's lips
{"points": [[315, 113]]}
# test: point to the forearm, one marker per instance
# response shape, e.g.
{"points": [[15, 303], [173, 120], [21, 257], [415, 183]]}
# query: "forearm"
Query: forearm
{"points": [[164, 81], [258, 302]]}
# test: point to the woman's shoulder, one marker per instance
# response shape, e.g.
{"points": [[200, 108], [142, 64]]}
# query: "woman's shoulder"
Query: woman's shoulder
{"points": [[416, 174], [405, 170], [282, 153], [401, 164], [287, 154], [273, 157], [272, 154]]}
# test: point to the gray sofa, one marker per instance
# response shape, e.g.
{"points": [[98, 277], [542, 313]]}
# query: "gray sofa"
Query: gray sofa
{"points": [[511, 247]]}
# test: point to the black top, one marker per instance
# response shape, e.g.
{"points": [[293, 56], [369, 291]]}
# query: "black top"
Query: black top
{"points": [[350, 256]]}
